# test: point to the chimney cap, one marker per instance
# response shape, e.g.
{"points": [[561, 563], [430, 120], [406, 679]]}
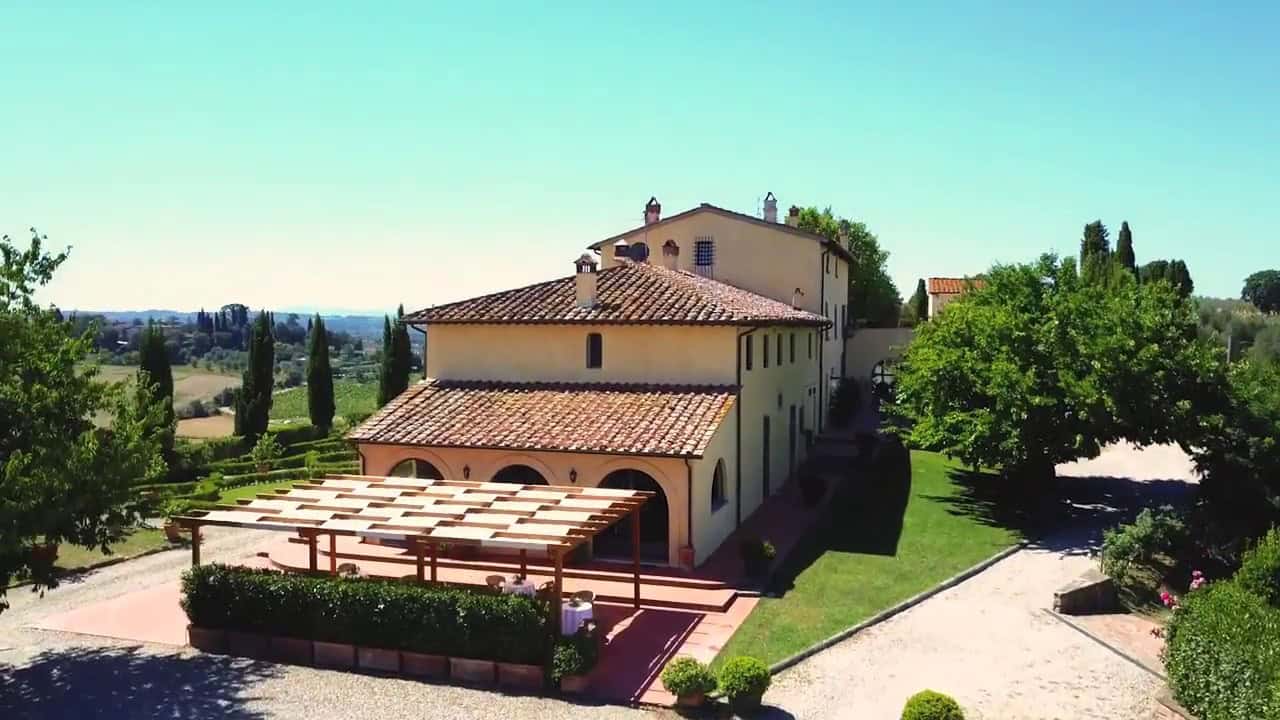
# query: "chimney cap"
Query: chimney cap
{"points": [[769, 196], [585, 263], [794, 211], [653, 202]]}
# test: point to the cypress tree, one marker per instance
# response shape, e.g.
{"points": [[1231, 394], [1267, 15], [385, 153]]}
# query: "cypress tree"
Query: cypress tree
{"points": [[402, 357], [920, 301], [385, 370], [320, 403], [1095, 244], [155, 370], [253, 402], [1124, 249]]}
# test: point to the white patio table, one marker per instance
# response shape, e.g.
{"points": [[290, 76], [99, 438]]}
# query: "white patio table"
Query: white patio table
{"points": [[519, 587], [572, 616]]}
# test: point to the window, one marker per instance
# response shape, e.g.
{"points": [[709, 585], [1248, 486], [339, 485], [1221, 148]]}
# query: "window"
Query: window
{"points": [[779, 349], [793, 348], [837, 268], [843, 326], [639, 252], [416, 468], [718, 497], [704, 256], [751, 346], [810, 336], [595, 350], [826, 330], [764, 348], [826, 264]]}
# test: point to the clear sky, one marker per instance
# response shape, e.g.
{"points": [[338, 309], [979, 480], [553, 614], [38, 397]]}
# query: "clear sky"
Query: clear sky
{"points": [[299, 155]]}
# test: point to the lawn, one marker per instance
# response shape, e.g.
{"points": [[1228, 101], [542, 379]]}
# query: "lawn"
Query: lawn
{"points": [[349, 396], [251, 491], [870, 554], [72, 558]]}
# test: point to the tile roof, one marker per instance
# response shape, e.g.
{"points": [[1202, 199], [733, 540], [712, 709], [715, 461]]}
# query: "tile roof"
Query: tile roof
{"points": [[634, 293], [953, 286], [661, 420]]}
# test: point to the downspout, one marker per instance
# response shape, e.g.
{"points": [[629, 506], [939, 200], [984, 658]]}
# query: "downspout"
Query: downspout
{"points": [[688, 508], [737, 463], [822, 345]]}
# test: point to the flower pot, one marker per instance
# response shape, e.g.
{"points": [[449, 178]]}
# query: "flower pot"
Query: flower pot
{"points": [[521, 677], [44, 554], [422, 665], [574, 684], [246, 644], [691, 700], [294, 651], [206, 639], [264, 467], [334, 655], [472, 672], [745, 704], [173, 532], [378, 659]]}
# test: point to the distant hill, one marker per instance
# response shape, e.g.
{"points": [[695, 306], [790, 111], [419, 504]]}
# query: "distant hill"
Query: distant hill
{"points": [[363, 326]]}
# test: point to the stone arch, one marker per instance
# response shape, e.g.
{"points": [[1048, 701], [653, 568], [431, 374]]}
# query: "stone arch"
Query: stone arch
{"points": [[522, 459], [655, 519], [416, 467], [519, 474], [418, 453]]}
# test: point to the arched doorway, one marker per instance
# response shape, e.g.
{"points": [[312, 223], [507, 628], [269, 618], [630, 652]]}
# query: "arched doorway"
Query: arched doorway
{"points": [[416, 468], [519, 475], [615, 541]]}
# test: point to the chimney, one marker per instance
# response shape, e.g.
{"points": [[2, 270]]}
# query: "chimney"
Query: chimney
{"points": [[671, 255], [770, 208], [795, 298], [621, 250], [793, 216], [652, 211], [585, 280]]}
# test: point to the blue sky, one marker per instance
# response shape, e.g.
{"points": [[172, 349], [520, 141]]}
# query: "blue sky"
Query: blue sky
{"points": [[296, 155]]}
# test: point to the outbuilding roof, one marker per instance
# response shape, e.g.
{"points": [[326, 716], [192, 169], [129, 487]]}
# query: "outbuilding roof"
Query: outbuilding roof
{"points": [[615, 419], [953, 286], [629, 293]]}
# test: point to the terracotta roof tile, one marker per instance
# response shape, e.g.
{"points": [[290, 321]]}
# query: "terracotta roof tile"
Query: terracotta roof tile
{"points": [[664, 420], [953, 286], [638, 293]]}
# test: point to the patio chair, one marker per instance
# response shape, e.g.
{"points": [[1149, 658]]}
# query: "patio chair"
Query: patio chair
{"points": [[349, 569], [495, 582]]}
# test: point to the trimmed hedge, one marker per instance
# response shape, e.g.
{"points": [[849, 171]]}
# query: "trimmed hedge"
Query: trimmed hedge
{"points": [[743, 678], [687, 676], [930, 705], [1222, 654], [396, 615], [1259, 571], [238, 467]]}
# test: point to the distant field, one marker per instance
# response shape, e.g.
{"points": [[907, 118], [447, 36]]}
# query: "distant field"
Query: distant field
{"points": [[207, 427], [349, 396], [188, 383]]}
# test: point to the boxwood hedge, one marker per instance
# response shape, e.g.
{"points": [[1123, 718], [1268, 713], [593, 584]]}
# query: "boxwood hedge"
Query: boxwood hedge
{"points": [[389, 614]]}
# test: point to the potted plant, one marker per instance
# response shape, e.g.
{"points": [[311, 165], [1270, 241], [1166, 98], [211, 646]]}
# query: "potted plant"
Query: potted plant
{"points": [[930, 705], [743, 681], [266, 452], [689, 680], [757, 554], [170, 511], [573, 658]]}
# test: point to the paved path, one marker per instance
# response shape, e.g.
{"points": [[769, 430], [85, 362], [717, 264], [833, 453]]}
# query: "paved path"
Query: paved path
{"points": [[989, 641]]}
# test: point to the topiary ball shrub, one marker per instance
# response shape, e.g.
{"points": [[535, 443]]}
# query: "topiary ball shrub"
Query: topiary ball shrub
{"points": [[688, 679], [930, 705], [743, 680], [1260, 568]]}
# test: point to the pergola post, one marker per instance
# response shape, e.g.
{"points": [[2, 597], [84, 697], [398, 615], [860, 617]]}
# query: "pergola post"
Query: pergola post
{"points": [[312, 560], [333, 553], [557, 587], [195, 544], [434, 552], [417, 552], [524, 562], [635, 554]]}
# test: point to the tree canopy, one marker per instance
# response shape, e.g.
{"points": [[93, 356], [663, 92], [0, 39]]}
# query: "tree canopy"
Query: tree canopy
{"points": [[1263, 290], [156, 373], [1174, 272], [62, 479], [1095, 244], [1124, 249], [1040, 367], [872, 294]]}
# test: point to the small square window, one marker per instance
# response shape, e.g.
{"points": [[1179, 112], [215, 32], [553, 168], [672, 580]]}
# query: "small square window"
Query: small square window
{"points": [[793, 348], [595, 350]]}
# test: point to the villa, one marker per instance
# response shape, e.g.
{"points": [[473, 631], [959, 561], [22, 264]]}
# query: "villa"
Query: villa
{"points": [[693, 356]]}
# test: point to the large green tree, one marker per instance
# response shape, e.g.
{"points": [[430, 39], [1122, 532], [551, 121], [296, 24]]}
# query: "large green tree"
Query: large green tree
{"points": [[155, 372], [1124, 249], [1263, 290], [320, 402], [872, 294], [253, 401], [62, 479], [1174, 272], [1040, 367], [1095, 244]]}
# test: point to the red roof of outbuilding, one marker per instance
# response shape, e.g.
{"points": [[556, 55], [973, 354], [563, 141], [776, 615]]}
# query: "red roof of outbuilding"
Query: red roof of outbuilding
{"points": [[953, 286]]}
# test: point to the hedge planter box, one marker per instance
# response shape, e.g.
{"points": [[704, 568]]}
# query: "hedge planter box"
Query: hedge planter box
{"points": [[520, 677], [422, 665], [574, 684], [472, 672], [210, 641], [250, 645], [334, 655], [378, 660], [293, 651]]}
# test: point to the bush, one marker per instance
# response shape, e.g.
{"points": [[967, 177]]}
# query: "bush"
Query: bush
{"points": [[576, 654], [812, 489], [1222, 654], [757, 553], [1260, 568], [930, 705], [1127, 545], [266, 451], [685, 676], [376, 613], [743, 680]]}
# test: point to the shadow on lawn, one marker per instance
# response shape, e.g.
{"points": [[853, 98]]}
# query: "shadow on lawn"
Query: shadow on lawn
{"points": [[124, 682], [1067, 516]]}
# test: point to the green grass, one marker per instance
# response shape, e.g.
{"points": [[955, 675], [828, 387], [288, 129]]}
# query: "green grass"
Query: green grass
{"points": [[870, 554], [251, 491], [72, 558], [349, 396]]}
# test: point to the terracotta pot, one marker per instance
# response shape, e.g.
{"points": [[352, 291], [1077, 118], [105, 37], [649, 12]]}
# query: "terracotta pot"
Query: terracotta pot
{"points": [[422, 665], [173, 532], [472, 672], [745, 704], [334, 655], [692, 700], [44, 554], [574, 684], [207, 640], [294, 651], [250, 645], [521, 677], [264, 467], [378, 659]]}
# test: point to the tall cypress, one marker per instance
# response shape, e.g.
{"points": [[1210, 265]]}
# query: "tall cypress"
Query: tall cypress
{"points": [[1124, 249], [253, 402], [385, 370], [920, 301], [154, 369], [402, 357], [320, 403], [1095, 244]]}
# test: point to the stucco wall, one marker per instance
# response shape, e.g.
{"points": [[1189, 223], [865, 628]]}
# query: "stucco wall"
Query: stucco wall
{"points": [[868, 346], [711, 527], [670, 473], [673, 354]]}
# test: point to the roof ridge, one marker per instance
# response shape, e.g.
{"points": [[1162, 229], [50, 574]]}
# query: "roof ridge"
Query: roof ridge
{"points": [[579, 384]]}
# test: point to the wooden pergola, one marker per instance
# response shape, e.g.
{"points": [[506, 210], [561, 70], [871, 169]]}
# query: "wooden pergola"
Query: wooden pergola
{"points": [[425, 514]]}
